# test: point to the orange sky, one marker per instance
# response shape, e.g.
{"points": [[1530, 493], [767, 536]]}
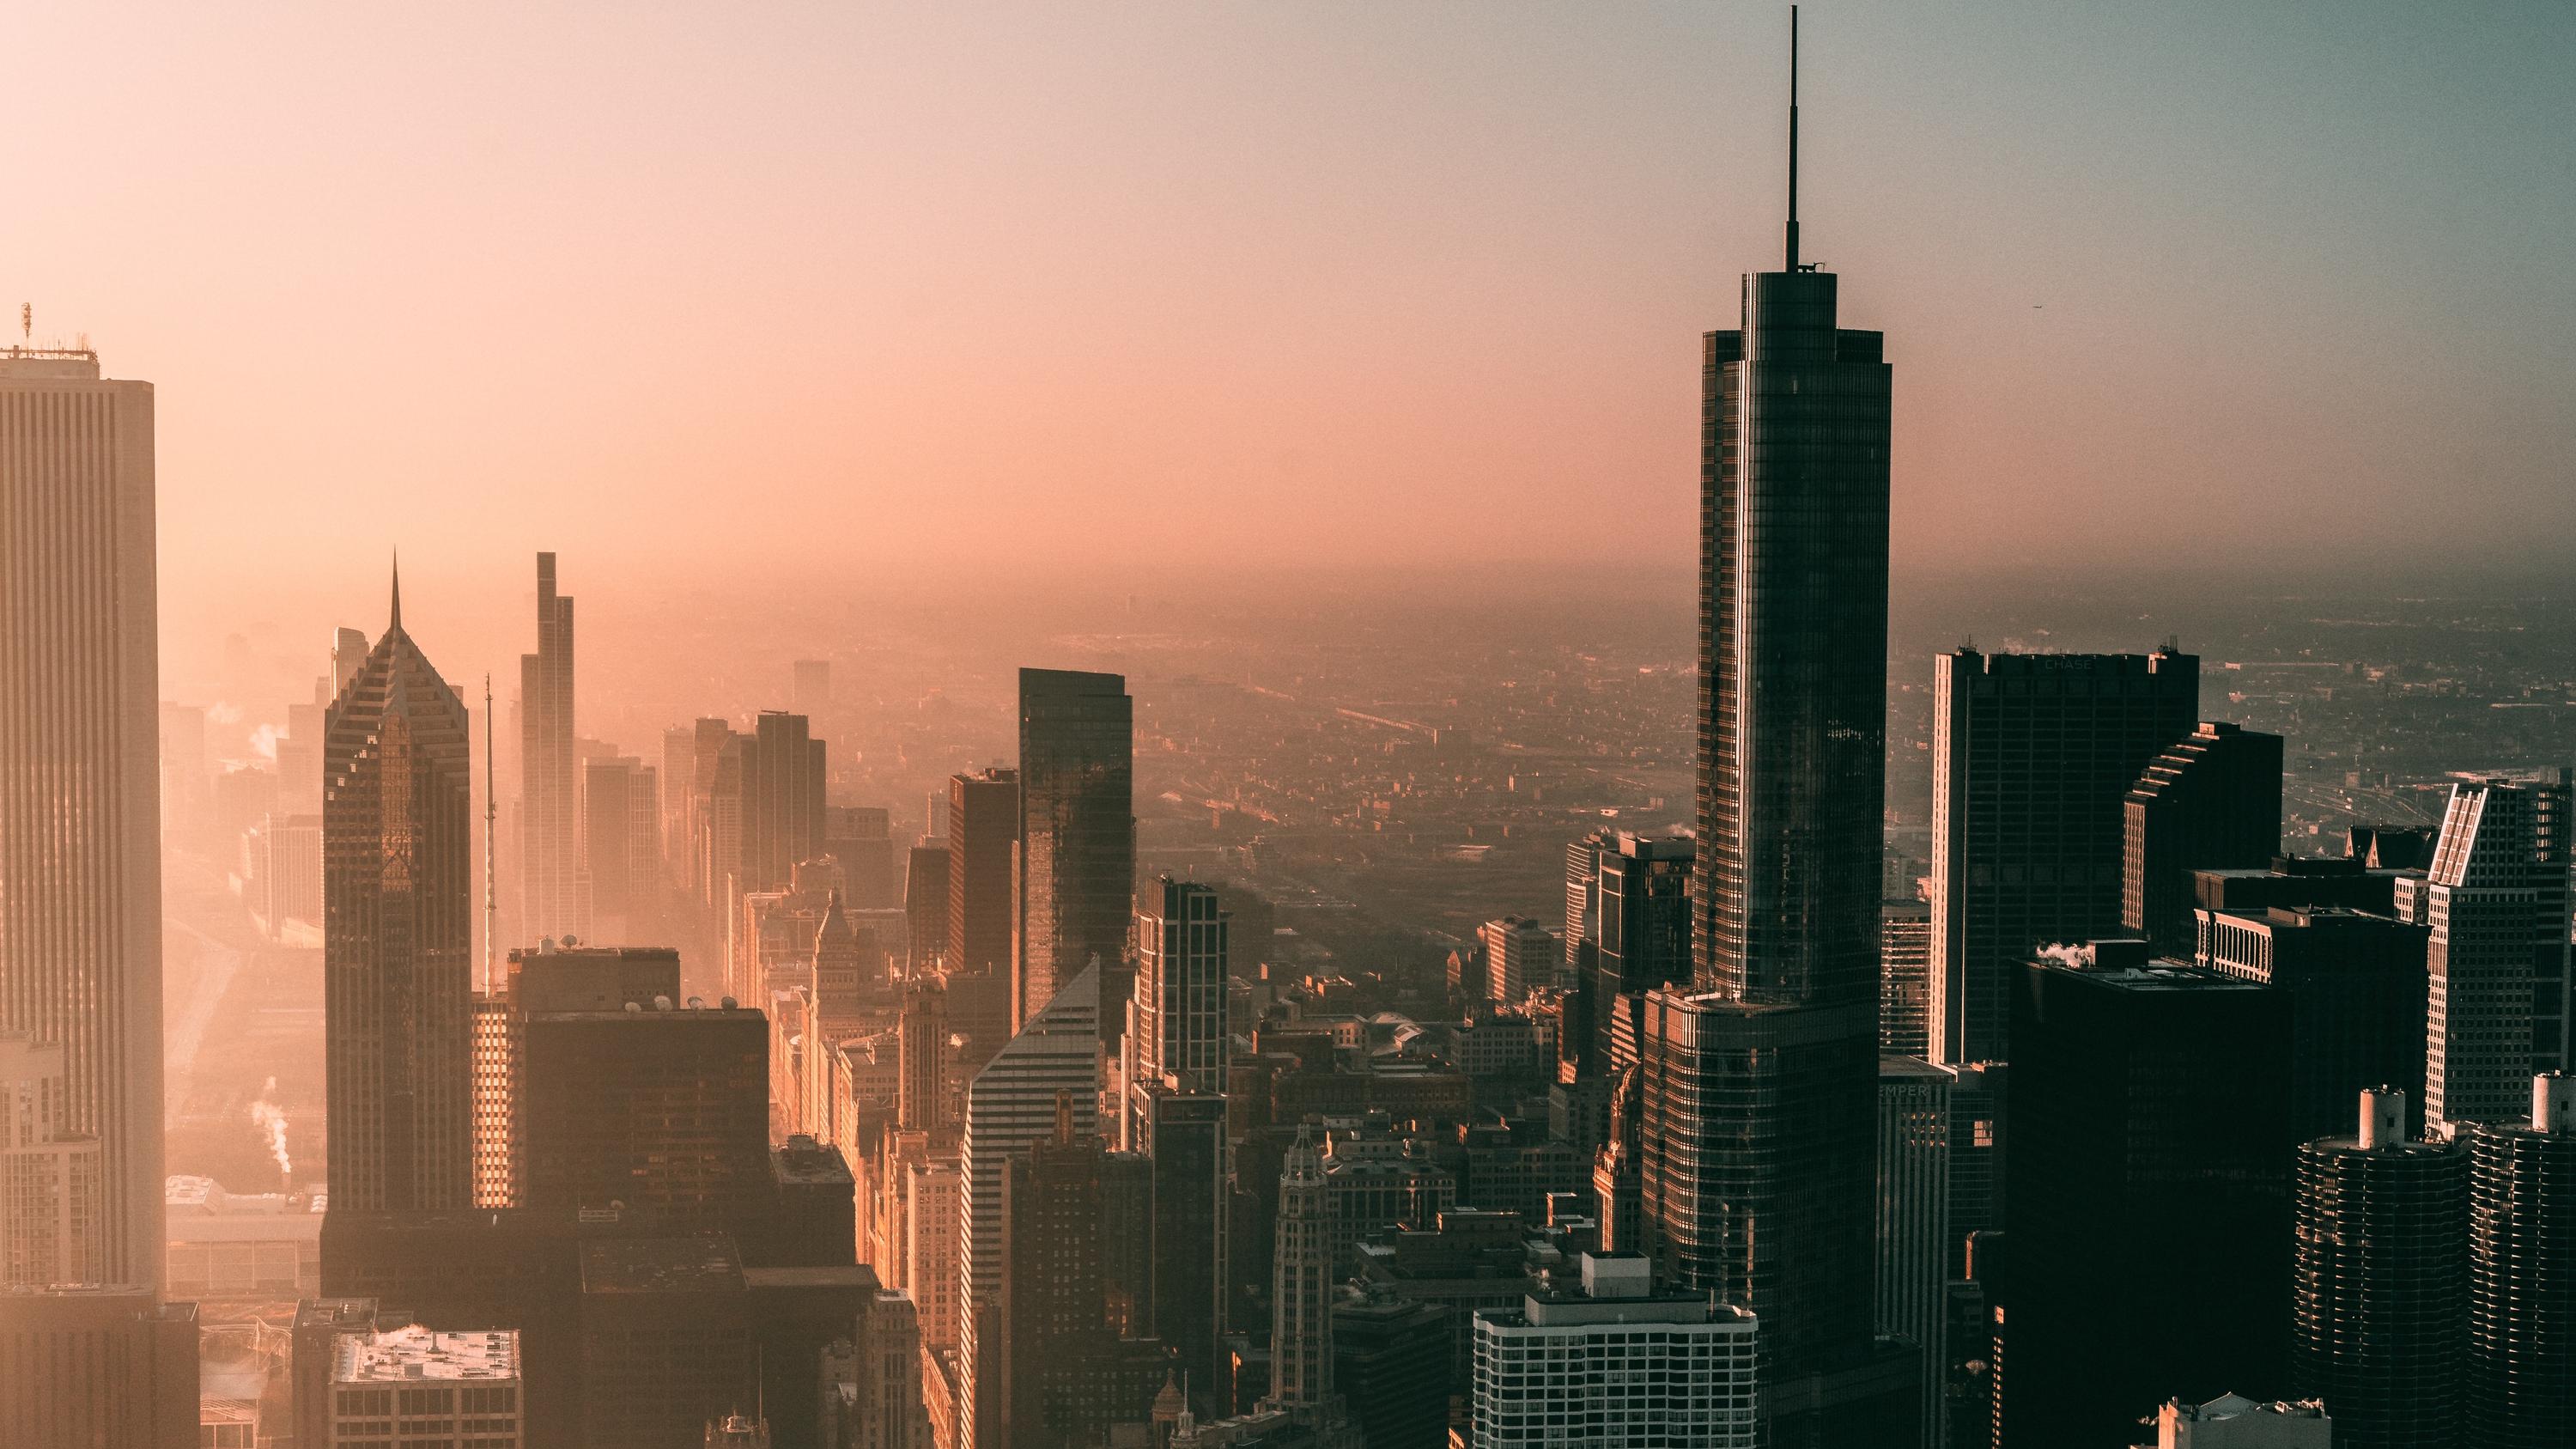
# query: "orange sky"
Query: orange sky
{"points": [[885, 291]]}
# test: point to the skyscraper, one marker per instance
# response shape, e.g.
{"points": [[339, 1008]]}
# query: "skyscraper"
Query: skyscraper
{"points": [[1615, 1364], [2496, 899], [621, 849], [1184, 1137], [1053, 1300], [782, 799], [925, 903], [1077, 836], [1642, 938], [50, 1227], [80, 844], [2211, 802], [549, 895], [2380, 1314], [1301, 1293], [1760, 1079], [397, 934], [2357, 1002], [1914, 1212], [2032, 758], [1176, 1028], [1520, 954], [2522, 1274], [1905, 978]]}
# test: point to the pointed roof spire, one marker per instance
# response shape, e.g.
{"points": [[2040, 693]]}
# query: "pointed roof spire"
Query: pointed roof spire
{"points": [[394, 625], [1793, 138]]}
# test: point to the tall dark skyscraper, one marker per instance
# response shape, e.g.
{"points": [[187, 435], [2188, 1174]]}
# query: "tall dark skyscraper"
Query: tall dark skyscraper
{"points": [[2032, 758], [1077, 837], [2211, 802], [550, 901], [397, 933], [1760, 1081], [983, 862], [2522, 1274], [1641, 929], [782, 800], [80, 834]]}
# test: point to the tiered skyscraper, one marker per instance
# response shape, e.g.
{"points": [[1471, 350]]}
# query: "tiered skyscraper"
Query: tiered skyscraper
{"points": [[1176, 1037], [1761, 1082], [1077, 837], [80, 841], [550, 897], [398, 932]]}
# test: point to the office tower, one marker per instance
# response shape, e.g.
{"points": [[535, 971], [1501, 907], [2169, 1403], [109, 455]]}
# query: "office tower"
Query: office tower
{"points": [[50, 1179], [2496, 900], [1905, 978], [2379, 1321], [398, 932], [1053, 1301], [80, 844], [1184, 1137], [1077, 833], [654, 1107], [1301, 1283], [1914, 1213], [921, 1089], [2210, 802], [1010, 1107], [426, 1389], [1617, 1189], [1519, 954], [2032, 759], [782, 799], [1759, 1080], [667, 1342], [678, 771], [1642, 934], [812, 687], [1977, 1143], [861, 838], [1614, 1365], [96, 1367], [621, 847], [549, 864], [2149, 1112], [936, 1191], [983, 895], [709, 850], [2522, 1274], [1391, 1357], [925, 905], [1583, 901], [348, 654], [1176, 1036], [2357, 1001]]}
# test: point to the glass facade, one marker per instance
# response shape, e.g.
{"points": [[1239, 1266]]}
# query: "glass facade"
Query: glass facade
{"points": [[1077, 836]]}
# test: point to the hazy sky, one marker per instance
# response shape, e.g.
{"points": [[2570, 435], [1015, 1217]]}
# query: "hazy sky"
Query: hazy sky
{"points": [[697, 292]]}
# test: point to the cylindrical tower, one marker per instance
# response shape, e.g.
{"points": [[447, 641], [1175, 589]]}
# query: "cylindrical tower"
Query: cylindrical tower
{"points": [[2380, 1294], [2522, 1275]]}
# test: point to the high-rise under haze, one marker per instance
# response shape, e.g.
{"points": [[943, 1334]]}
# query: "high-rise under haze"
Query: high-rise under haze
{"points": [[1760, 1080], [1077, 837], [550, 898], [398, 932], [80, 837]]}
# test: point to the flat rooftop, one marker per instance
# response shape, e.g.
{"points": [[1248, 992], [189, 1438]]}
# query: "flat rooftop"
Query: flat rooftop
{"points": [[402, 1355]]}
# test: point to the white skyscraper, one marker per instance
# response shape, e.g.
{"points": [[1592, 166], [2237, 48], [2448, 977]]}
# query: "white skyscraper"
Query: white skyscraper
{"points": [[80, 837], [1615, 1366], [2496, 900], [1010, 1106]]}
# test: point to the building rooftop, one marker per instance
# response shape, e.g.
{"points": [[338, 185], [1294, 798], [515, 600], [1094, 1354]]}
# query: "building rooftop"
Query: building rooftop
{"points": [[2126, 966], [661, 1265], [401, 1354]]}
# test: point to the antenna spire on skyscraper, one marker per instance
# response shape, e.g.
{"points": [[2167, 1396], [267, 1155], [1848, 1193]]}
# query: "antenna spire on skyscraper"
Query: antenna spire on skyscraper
{"points": [[1793, 138], [395, 621]]}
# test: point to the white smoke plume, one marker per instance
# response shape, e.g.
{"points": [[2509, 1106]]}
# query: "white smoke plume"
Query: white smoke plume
{"points": [[263, 741], [265, 1115], [2079, 957]]}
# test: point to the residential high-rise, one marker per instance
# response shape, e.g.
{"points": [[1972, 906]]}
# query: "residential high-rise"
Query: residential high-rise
{"points": [[1905, 978], [397, 934], [2379, 1321], [2522, 1274], [2357, 1001], [1010, 1107], [2032, 758], [1077, 834], [2496, 900], [1614, 1365], [80, 844], [50, 1179], [2210, 802], [1301, 1283], [1914, 1213], [1760, 1080], [1520, 954], [2148, 1203], [550, 902], [983, 870], [1176, 1037]]}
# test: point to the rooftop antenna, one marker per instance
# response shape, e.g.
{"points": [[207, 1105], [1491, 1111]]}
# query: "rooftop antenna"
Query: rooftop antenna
{"points": [[1793, 138], [491, 813], [27, 321]]}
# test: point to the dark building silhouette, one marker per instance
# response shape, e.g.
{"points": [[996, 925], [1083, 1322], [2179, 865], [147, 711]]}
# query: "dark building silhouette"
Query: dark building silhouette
{"points": [[659, 1108], [621, 849], [2032, 757], [2211, 802], [2357, 1002], [983, 871], [398, 934], [1641, 932], [861, 838], [550, 903], [1184, 1138], [925, 905], [1054, 1299], [2379, 1320], [782, 799], [1077, 833], [2148, 1202], [667, 1342], [2297, 880], [96, 1368], [1391, 1359], [2389, 847], [1905, 978], [2522, 1275], [1760, 1080]]}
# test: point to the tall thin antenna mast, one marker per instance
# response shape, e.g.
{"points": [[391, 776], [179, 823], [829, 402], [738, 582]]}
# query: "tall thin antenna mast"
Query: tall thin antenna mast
{"points": [[1793, 138], [491, 813]]}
